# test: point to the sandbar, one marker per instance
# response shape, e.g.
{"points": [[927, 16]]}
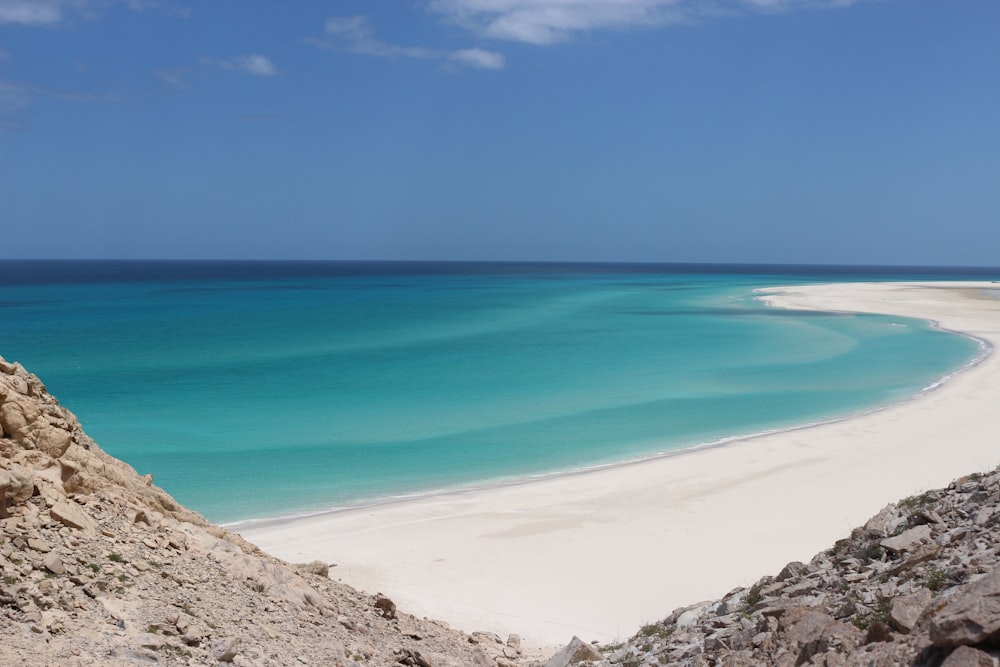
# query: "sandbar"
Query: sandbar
{"points": [[600, 553]]}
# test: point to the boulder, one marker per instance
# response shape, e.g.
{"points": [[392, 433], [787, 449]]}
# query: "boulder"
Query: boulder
{"points": [[966, 656], [17, 484], [906, 610], [908, 540], [385, 606], [574, 653], [972, 616], [70, 514], [16, 414]]}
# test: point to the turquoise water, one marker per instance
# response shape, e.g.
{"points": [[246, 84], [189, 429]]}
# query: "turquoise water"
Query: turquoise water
{"points": [[262, 393]]}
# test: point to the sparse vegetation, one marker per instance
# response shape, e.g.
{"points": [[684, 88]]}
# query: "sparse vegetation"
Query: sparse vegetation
{"points": [[115, 558], [752, 597]]}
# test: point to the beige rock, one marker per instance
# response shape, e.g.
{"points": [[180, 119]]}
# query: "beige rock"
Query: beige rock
{"points": [[70, 514], [54, 564], [16, 486], [16, 414], [574, 653]]}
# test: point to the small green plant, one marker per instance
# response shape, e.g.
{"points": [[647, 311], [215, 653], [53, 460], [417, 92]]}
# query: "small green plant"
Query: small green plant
{"points": [[153, 629], [936, 577], [259, 588], [155, 564], [837, 547], [752, 597], [187, 610], [176, 650], [611, 648], [94, 567], [8, 579], [115, 558], [880, 614], [122, 578], [918, 501]]}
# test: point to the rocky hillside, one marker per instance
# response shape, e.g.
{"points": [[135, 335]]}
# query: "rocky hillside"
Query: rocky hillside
{"points": [[917, 585], [98, 566]]}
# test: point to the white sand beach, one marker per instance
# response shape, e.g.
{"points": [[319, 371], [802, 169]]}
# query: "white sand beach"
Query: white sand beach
{"points": [[598, 554]]}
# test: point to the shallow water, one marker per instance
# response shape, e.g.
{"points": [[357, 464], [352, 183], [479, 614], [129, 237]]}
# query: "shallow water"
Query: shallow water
{"points": [[256, 390]]}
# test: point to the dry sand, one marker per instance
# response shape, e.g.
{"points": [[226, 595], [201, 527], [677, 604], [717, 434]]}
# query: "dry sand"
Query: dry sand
{"points": [[600, 553]]}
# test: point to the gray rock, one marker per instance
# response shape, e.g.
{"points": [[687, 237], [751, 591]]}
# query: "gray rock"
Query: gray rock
{"points": [[224, 649], [966, 656], [972, 616], [906, 610], [908, 540], [574, 653]]}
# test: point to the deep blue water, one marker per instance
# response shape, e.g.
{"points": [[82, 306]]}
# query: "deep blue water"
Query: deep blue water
{"points": [[253, 389]]}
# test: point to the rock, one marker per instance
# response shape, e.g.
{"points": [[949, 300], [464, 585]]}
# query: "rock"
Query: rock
{"points": [[316, 567], [790, 571], [39, 545], [972, 616], [908, 540], [17, 484], [16, 414], [514, 641], [70, 514], [225, 649], [883, 523], [54, 564], [906, 610], [386, 607], [53, 441], [966, 656], [574, 653], [878, 632], [150, 640]]}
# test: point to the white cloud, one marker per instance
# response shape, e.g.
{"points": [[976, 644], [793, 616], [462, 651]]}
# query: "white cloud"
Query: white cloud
{"points": [[355, 34], [50, 12], [479, 58], [550, 21], [30, 12], [14, 97], [253, 63]]}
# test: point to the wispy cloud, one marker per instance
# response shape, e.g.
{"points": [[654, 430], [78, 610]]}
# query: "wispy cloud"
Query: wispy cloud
{"points": [[355, 34], [551, 21], [16, 98], [36, 13], [253, 63], [175, 77], [30, 12]]}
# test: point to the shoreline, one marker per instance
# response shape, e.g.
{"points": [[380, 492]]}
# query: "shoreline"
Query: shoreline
{"points": [[986, 349], [599, 551]]}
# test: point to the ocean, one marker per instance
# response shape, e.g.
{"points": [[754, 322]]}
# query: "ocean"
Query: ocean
{"points": [[257, 390]]}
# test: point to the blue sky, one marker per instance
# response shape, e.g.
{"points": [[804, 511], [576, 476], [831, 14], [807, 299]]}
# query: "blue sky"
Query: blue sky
{"points": [[797, 131]]}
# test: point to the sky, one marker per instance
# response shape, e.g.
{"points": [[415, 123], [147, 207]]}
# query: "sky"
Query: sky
{"points": [[764, 131]]}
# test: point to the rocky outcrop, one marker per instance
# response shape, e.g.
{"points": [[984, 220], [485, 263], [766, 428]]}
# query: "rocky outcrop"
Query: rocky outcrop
{"points": [[916, 585], [98, 566]]}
